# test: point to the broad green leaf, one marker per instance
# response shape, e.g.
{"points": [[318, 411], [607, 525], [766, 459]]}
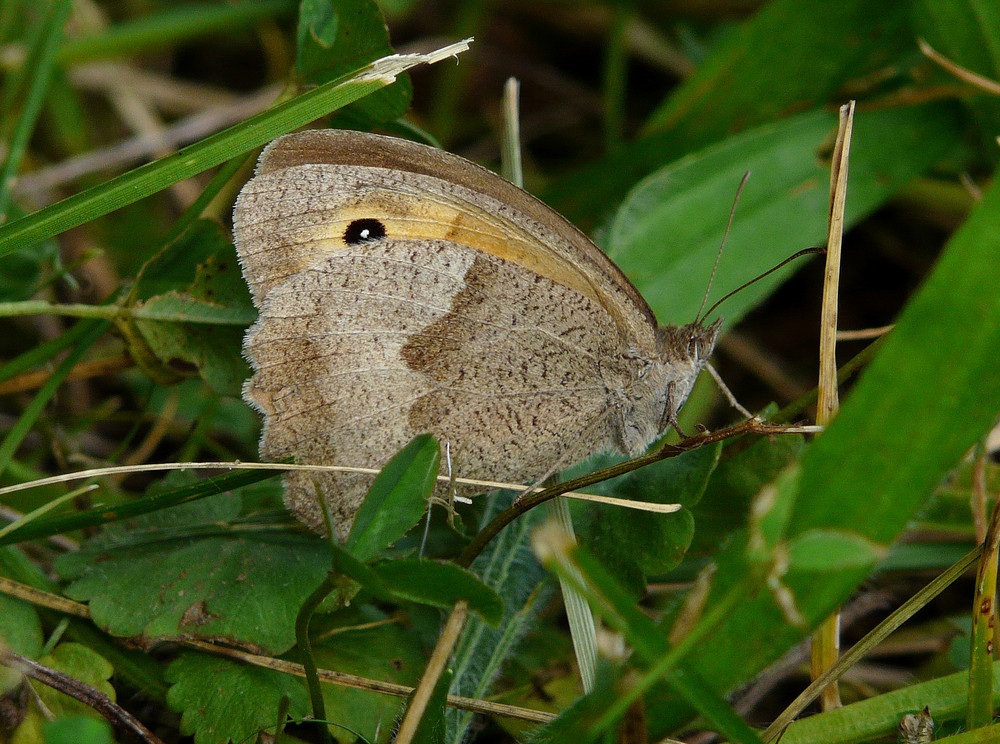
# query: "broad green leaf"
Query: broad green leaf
{"points": [[338, 36], [824, 551], [25, 270], [221, 700], [77, 730], [239, 589], [666, 234], [440, 585], [397, 499], [742, 472], [80, 662], [635, 543], [360, 641], [20, 628], [20, 632]]}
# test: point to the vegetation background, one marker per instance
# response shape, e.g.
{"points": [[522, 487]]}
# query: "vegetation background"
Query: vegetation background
{"points": [[123, 312]]}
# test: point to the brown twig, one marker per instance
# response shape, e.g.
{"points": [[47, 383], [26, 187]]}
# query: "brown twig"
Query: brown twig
{"points": [[89, 696], [530, 501], [357, 682], [485, 707]]}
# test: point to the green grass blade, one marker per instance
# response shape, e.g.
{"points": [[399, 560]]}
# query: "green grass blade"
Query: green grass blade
{"points": [[104, 514], [252, 133], [40, 65]]}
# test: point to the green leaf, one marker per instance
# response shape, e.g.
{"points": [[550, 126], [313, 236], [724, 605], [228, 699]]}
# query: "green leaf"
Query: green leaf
{"points": [[236, 589], [190, 307], [824, 551], [221, 700], [23, 271], [440, 585], [397, 499], [78, 730], [20, 632], [640, 543], [20, 627], [872, 469], [666, 234], [79, 662], [741, 474], [337, 36], [360, 641], [350, 567]]}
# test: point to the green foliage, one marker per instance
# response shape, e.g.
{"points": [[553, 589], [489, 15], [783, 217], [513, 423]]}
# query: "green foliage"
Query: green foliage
{"points": [[656, 542], [83, 664], [246, 592], [508, 566], [190, 306], [396, 500], [365, 642], [669, 227], [439, 584], [77, 730], [221, 700], [337, 37], [773, 534]]}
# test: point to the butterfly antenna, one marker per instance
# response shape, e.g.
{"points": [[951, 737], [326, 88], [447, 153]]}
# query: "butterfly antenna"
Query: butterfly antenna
{"points": [[800, 254], [718, 257]]}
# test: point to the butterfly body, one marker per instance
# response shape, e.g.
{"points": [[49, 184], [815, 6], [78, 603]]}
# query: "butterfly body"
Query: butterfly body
{"points": [[405, 290]]}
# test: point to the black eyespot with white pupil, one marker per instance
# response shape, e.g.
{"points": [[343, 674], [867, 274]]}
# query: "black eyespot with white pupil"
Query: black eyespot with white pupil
{"points": [[364, 231]]}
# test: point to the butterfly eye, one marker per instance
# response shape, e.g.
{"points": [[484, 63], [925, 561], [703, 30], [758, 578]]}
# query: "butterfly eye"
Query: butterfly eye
{"points": [[364, 231]]}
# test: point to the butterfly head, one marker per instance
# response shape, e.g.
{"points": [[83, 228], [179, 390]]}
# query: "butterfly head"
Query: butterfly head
{"points": [[690, 344]]}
